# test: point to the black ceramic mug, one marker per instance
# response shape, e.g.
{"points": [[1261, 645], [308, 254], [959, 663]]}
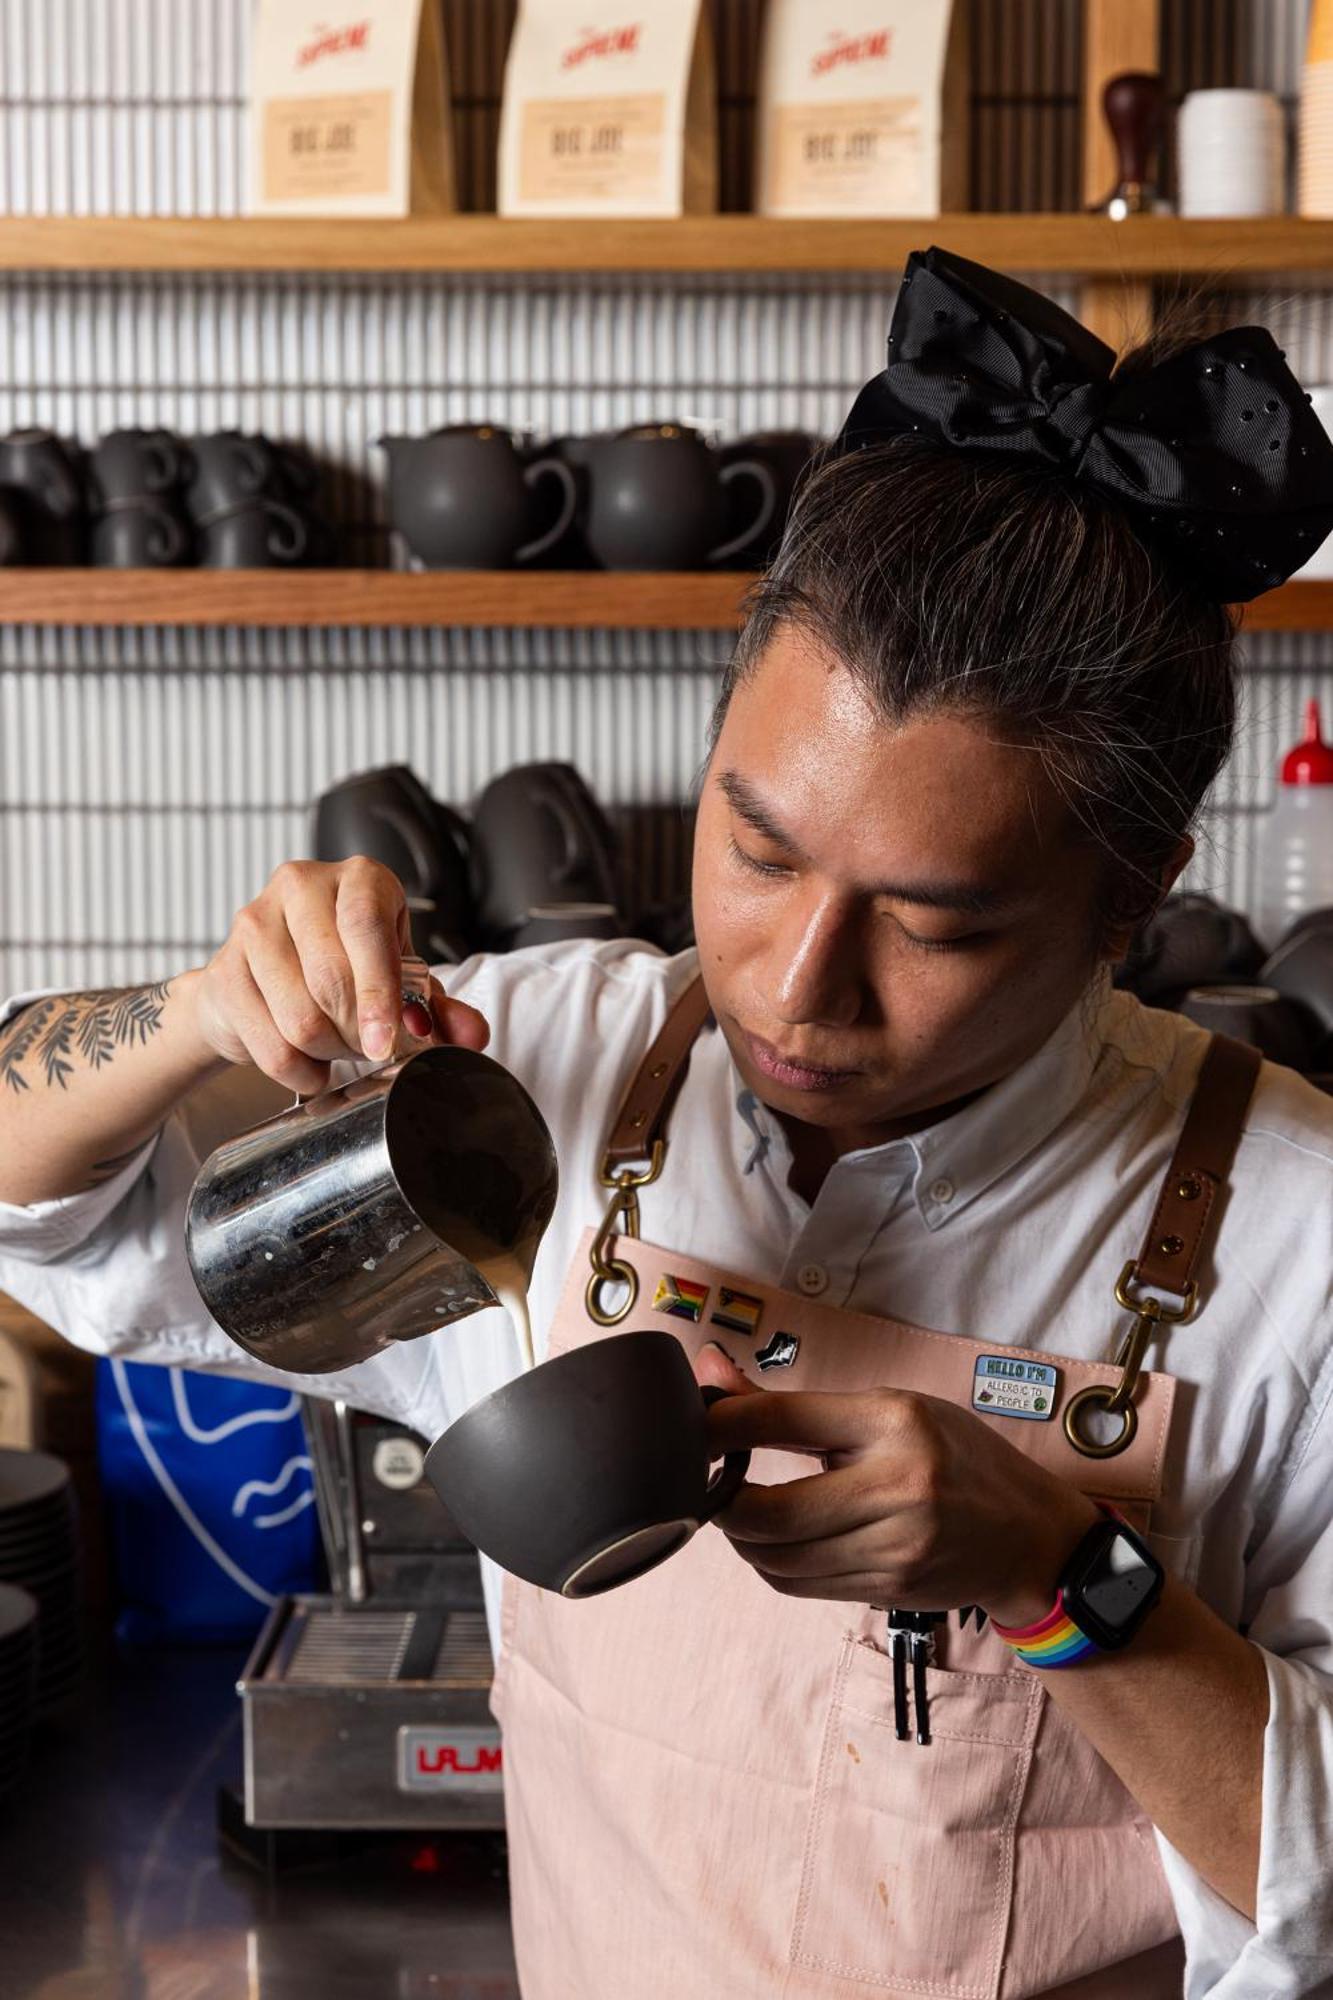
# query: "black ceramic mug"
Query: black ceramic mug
{"points": [[42, 483], [589, 1469], [135, 465], [147, 534], [227, 469], [266, 534]]}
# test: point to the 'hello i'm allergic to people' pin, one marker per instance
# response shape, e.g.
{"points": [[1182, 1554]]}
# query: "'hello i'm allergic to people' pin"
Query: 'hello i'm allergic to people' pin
{"points": [[1005, 1385]]}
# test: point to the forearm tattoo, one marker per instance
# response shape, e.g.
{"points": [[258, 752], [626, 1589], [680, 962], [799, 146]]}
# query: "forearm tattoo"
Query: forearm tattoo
{"points": [[46, 1039]]}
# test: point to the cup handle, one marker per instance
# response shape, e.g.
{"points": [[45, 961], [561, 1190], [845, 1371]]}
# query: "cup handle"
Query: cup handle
{"points": [[735, 1467], [284, 518], [550, 468], [256, 463], [749, 468], [166, 538], [164, 458]]}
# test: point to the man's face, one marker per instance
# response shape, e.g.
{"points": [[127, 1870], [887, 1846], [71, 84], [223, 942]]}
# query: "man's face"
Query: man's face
{"points": [[889, 918]]}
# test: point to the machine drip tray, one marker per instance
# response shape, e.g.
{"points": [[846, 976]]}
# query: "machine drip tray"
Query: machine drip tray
{"points": [[371, 1715]]}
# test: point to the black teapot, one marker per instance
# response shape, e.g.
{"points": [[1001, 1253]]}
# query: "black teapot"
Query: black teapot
{"points": [[463, 497], [658, 498]]}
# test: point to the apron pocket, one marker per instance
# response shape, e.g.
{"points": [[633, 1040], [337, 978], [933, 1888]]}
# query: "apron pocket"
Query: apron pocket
{"points": [[908, 1869]]}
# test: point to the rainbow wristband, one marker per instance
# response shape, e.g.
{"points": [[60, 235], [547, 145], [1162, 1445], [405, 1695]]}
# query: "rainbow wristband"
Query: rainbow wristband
{"points": [[1054, 1641]]}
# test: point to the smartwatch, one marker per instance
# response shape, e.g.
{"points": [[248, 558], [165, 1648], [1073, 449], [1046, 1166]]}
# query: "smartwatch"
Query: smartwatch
{"points": [[1106, 1590]]}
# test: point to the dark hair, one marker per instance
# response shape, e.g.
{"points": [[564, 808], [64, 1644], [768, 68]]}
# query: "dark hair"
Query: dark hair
{"points": [[947, 580]]}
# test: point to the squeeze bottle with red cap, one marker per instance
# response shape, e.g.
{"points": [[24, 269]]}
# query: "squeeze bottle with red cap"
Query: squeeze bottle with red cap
{"points": [[1296, 840]]}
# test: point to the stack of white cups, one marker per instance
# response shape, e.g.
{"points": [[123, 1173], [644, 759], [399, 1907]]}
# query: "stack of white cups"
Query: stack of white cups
{"points": [[1314, 172], [1231, 153]]}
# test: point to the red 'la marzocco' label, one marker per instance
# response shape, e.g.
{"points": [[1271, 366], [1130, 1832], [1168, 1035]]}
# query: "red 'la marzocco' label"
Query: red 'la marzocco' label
{"points": [[435, 1758]]}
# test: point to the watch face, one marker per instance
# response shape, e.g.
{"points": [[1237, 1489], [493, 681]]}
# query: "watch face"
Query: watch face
{"points": [[1117, 1582]]}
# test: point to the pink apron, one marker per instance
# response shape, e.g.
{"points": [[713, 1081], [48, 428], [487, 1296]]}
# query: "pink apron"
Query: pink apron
{"points": [[705, 1793]]}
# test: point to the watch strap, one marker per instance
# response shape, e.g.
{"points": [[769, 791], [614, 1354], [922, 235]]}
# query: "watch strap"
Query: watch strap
{"points": [[1054, 1641], [1058, 1640]]}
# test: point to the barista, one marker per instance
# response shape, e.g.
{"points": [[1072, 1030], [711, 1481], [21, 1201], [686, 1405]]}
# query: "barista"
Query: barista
{"points": [[956, 761]]}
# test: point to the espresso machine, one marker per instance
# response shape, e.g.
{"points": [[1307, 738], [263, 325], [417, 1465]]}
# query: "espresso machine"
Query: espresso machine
{"points": [[366, 1706]]}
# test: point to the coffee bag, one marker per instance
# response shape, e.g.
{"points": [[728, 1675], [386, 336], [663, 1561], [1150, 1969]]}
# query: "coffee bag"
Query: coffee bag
{"points": [[863, 112], [610, 111], [348, 109]]}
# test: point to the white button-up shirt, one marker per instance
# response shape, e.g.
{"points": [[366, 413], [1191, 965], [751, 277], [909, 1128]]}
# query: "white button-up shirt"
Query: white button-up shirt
{"points": [[1008, 1222]]}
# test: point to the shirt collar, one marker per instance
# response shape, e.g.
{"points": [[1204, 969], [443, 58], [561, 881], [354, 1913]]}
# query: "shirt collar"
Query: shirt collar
{"points": [[955, 1161]]}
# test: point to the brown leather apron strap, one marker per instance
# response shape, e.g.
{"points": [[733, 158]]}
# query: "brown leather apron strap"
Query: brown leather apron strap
{"points": [[1186, 1212], [648, 1101]]}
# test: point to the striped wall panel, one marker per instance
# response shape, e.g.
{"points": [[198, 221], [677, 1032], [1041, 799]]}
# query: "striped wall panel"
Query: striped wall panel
{"points": [[149, 781]]}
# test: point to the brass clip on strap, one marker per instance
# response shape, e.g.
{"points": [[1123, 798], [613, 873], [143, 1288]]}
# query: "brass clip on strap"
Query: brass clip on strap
{"points": [[1181, 1228], [621, 1219], [1149, 1313]]}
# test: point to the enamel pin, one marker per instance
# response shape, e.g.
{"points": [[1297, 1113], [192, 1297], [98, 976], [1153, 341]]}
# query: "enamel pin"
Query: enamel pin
{"points": [[1004, 1385], [737, 1310], [780, 1351], [680, 1297]]}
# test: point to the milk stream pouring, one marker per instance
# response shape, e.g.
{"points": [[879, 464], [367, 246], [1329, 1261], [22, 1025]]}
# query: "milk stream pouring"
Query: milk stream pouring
{"points": [[1295, 847]]}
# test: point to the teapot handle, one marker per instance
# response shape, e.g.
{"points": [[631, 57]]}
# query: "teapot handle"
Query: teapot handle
{"points": [[550, 468], [749, 468]]}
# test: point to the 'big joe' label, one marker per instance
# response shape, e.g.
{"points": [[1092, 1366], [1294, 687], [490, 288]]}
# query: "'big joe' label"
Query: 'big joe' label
{"points": [[324, 146], [583, 148], [849, 155]]}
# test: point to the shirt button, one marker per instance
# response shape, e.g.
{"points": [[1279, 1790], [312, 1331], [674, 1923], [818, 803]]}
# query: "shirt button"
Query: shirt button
{"points": [[812, 1279], [942, 1191]]}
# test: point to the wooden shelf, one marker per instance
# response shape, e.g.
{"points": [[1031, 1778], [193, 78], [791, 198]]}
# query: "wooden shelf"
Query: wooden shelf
{"points": [[640, 600], [654, 600], [1145, 246]]}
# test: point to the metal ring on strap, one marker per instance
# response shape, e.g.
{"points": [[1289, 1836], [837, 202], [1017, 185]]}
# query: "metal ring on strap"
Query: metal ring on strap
{"points": [[1099, 1395], [613, 1271]]}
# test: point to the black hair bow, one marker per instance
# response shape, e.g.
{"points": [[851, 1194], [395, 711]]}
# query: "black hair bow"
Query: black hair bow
{"points": [[1215, 453]]}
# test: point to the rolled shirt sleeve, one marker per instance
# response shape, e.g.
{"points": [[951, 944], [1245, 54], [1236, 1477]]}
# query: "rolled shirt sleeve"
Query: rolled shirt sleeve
{"points": [[1287, 1954]]}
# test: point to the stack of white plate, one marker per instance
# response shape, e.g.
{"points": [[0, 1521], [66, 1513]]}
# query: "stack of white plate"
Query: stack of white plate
{"points": [[18, 1681], [39, 1553], [1314, 155], [1231, 153]]}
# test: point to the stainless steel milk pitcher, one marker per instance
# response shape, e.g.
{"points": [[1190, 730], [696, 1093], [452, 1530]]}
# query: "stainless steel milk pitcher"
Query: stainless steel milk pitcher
{"points": [[358, 1217]]}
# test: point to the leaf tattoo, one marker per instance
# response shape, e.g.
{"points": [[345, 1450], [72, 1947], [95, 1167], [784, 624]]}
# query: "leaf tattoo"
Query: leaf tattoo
{"points": [[53, 1033]]}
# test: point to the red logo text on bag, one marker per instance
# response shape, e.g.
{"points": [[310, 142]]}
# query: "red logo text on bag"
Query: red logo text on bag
{"points": [[603, 42], [848, 49], [333, 42]]}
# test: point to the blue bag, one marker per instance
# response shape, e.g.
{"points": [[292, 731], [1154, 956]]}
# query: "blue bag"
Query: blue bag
{"points": [[210, 1501]]}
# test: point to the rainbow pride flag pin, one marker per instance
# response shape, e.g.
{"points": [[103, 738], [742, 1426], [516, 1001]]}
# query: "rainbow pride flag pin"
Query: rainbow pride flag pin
{"points": [[679, 1297]]}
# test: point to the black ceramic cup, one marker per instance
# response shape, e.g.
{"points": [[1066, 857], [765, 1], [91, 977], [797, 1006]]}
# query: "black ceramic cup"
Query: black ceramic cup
{"points": [[42, 482], [266, 534], [1302, 970], [227, 469], [1280, 1028], [147, 534], [589, 1469], [135, 465]]}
